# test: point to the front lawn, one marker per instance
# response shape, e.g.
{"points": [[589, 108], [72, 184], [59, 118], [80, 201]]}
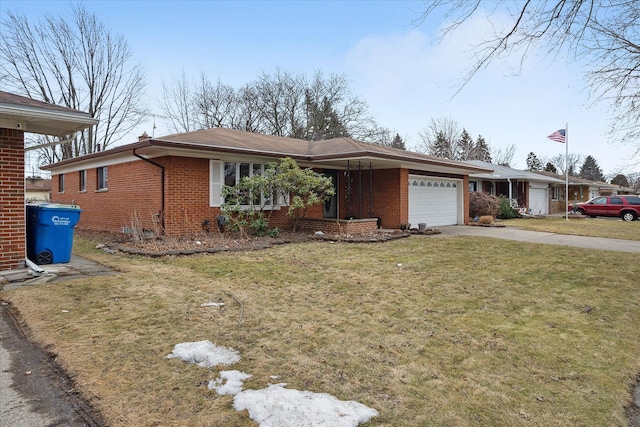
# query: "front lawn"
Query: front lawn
{"points": [[428, 331], [594, 227]]}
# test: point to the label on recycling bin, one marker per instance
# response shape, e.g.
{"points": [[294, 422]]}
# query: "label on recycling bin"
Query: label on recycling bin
{"points": [[60, 220]]}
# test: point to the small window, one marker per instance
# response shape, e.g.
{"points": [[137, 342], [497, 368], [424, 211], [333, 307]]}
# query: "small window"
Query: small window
{"points": [[102, 178], [615, 201], [82, 180], [61, 183]]}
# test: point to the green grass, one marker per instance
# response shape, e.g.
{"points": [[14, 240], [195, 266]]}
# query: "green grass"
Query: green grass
{"points": [[593, 227], [459, 331]]}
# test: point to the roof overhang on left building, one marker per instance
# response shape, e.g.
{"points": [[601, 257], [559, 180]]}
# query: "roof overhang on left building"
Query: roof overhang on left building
{"points": [[28, 115]]}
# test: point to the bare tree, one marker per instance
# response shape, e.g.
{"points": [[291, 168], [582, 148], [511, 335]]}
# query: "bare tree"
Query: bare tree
{"points": [[178, 97], [246, 115], [572, 162], [440, 138], [77, 62], [279, 103], [503, 157], [602, 33]]}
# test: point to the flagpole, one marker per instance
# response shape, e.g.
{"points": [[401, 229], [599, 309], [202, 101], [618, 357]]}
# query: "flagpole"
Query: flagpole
{"points": [[566, 171]]}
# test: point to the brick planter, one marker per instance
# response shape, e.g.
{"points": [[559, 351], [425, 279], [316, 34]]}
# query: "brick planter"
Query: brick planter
{"points": [[339, 226]]}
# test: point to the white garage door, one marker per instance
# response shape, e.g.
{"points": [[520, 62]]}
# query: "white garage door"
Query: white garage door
{"points": [[434, 201], [538, 201]]}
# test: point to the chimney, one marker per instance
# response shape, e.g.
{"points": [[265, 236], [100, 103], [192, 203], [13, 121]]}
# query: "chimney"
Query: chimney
{"points": [[143, 137]]}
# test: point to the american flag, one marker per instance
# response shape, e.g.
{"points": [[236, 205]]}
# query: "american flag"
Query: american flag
{"points": [[557, 136]]}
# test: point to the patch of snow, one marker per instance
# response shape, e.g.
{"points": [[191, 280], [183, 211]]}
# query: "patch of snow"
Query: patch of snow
{"points": [[204, 354], [212, 304], [228, 382], [277, 406], [274, 405]]}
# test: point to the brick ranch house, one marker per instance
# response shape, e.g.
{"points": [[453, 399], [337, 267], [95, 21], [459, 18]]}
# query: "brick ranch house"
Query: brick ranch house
{"points": [[172, 184], [533, 192], [17, 116]]}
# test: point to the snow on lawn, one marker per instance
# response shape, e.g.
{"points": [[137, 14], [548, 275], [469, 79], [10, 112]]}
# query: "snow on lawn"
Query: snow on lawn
{"points": [[233, 384], [274, 406], [278, 406], [204, 354]]}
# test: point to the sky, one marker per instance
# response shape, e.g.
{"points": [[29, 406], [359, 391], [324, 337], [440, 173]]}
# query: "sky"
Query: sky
{"points": [[274, 405], [403, 71]]}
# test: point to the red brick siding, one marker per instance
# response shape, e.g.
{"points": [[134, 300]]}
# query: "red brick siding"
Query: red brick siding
{"points": [[390, 196], [133, 191], [354, 227], [12, 210], [187, 197]]}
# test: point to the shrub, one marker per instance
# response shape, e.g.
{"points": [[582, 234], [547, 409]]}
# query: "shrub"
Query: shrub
{"points": [[506, 211], [481, 204]]}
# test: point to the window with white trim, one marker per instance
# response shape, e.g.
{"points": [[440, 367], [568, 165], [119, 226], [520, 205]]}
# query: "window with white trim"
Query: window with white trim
{"points": [[61, 183], [230, 173]]}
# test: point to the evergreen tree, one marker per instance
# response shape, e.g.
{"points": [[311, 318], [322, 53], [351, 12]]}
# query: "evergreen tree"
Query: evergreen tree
{"points": [[398, 142], [481, 151], [466, 147], [549, 167], [441, 147], [533, 163], [620, 180], [590, 170]]}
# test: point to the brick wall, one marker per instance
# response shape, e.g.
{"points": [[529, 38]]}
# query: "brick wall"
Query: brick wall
{"points": [[187, 197], [12, 210], [390, 201], [333, 226], [132, 198]]}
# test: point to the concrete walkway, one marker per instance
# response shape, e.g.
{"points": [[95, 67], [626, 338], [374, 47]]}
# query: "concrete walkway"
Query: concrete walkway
{"points": [[512, 233], [77, 267]]}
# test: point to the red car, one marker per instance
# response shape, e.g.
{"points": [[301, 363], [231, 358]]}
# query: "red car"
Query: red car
{"points": [[625, 207]]}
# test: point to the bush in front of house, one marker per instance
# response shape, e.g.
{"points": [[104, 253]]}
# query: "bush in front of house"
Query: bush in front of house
{"points": [[483, 204], [251, 201], [506, 211]]}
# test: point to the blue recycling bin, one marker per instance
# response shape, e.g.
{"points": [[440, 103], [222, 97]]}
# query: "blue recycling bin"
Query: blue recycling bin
{"points": [[50, 229]]}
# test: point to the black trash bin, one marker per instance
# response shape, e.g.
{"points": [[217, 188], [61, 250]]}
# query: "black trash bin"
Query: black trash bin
{"points": [[50, 229]]}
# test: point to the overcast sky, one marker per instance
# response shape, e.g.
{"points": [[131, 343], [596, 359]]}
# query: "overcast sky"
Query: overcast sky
{"points": [[401, 71]]}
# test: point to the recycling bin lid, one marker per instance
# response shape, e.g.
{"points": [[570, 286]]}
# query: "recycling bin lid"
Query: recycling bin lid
{"points": [[56, 206]]}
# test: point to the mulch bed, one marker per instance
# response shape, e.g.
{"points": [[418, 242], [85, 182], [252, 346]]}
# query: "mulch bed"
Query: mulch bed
{"points": [[225, 242]]}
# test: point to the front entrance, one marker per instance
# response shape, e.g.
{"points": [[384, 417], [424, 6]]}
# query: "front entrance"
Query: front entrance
{"points": [[330, 207]]}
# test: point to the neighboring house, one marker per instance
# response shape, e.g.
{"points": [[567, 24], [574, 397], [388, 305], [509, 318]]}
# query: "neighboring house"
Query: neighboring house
{"points": [[532, 192], [17, 116], [37, 190], [580, 190], [172, 184]]}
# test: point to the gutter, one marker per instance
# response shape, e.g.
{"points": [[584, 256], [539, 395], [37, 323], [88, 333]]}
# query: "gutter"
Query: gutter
{"points": [[162, 198]]}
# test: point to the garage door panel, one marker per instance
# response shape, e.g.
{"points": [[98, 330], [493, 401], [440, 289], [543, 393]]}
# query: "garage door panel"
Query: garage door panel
{"points": [[538, 201], [433, 201]]}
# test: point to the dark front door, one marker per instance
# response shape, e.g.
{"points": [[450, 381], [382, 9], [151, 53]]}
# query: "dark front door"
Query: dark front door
{"points": [[330, 208]]}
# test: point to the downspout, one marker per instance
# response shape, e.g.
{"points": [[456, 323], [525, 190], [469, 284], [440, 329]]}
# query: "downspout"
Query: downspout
{"points": [[161, 188]]}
